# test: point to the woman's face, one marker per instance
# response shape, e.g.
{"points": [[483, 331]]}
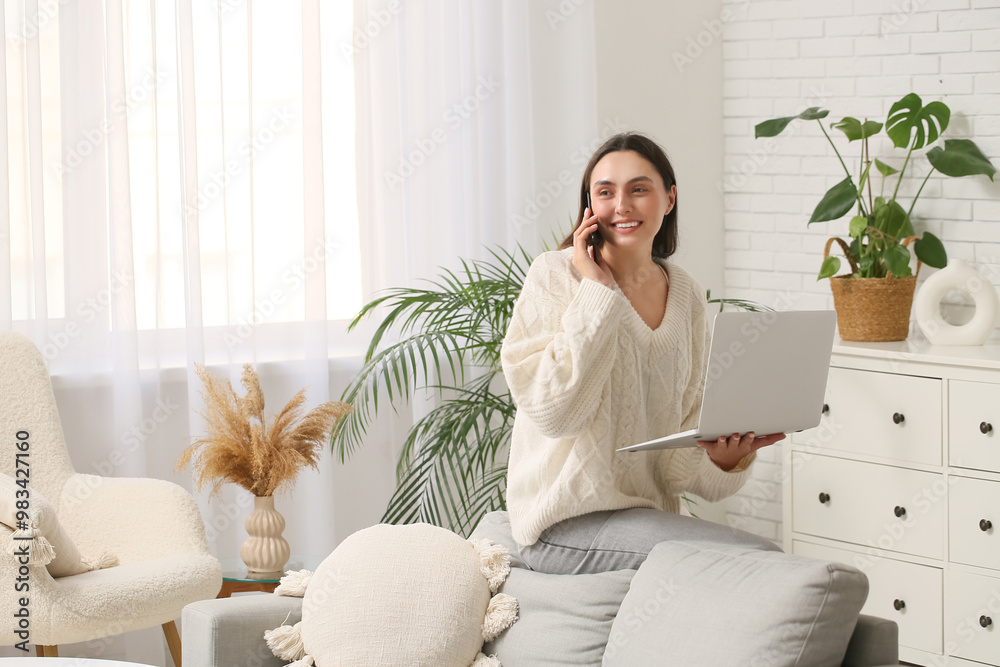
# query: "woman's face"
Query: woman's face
{"points": [[629, 199]]}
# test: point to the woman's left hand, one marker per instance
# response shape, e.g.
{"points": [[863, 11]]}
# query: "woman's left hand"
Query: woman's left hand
{"points": [[727, 452]]}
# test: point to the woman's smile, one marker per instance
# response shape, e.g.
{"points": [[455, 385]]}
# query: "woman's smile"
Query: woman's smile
{"points": [[625, 226]]}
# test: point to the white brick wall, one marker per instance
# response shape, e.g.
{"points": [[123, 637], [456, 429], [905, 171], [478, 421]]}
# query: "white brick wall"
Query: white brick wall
{"points": [[854, 57]]}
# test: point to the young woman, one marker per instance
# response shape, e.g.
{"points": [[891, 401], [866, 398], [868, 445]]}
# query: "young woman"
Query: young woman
{"points": [[606, 348]]}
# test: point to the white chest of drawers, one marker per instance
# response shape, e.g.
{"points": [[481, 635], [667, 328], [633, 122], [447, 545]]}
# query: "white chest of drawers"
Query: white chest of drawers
{"points": [[902, 480]]}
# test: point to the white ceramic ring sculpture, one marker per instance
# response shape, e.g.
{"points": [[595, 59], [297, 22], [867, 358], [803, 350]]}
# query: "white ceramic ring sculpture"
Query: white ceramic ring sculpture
{"points": [[957, 276]]}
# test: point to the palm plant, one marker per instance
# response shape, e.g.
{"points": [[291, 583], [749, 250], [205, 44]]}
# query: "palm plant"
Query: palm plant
{"points": [[453, 465]]}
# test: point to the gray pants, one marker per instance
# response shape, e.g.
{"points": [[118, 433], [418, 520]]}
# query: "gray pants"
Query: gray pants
{"points": [[621, 540]]}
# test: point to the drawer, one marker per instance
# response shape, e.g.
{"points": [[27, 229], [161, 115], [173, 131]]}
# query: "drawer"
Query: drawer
{"points": [[974, 602], [890, 416], [974, 407], [974, 522], [916, 587], [884, 507]]}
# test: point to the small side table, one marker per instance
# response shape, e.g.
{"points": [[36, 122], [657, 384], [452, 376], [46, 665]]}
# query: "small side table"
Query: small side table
{"points": [[236, 579]]}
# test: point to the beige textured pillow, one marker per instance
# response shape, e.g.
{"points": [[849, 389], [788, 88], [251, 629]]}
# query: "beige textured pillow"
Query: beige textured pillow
{"points": [[43, 538], [415, 595]]}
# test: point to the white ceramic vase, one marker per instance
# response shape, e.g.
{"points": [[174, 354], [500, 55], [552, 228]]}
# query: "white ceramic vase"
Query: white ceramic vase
{"points": [[265, 551], [957, 276]]}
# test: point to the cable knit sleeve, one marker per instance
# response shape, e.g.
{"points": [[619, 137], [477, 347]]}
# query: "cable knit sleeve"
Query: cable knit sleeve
{"points": [[711, 482], [559, 348]]}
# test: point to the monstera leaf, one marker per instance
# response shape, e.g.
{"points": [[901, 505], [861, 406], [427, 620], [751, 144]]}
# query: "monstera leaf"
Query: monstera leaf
{"points": [[885, 169], [960, 157], [892, 220], [836, 202], [829, 268], [897, 261], [854, 130], [909, 116], [859, 224], [931, 251], [774, 127]]}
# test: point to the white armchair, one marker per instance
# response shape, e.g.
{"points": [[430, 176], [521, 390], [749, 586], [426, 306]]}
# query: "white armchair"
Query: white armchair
{"points": [[152, 527]]}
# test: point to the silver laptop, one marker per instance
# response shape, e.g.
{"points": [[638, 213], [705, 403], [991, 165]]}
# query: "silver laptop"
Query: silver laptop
{"points": [[766, 373]]}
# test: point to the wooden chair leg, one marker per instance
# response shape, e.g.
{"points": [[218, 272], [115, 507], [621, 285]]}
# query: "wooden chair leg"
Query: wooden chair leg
{"points": [[173, 642], [47, 651]]}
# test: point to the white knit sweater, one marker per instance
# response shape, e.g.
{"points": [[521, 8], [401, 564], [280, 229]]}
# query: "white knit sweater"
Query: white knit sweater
{"points": [[589, 376]]}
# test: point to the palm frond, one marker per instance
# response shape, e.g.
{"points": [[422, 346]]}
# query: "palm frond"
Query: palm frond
{"points": [[459, 301], [398, 371], [473, 418], [557, 240], [441, 490], [743, 304], [452, 466], [460, 323]]}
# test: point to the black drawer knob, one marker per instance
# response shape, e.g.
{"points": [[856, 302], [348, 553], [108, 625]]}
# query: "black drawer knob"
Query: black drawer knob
{"points": [[898, 418], [898, 605], [899, 511], [985, 427], [826, 409], [985, 524], [985, 621], [824, 497]]}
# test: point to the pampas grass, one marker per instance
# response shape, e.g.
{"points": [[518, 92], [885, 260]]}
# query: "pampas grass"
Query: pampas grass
{"points": [[241, 448]]}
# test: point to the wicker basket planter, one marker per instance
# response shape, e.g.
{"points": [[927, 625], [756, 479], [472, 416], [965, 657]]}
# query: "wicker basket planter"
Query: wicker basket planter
{"points": [[872, 309]]}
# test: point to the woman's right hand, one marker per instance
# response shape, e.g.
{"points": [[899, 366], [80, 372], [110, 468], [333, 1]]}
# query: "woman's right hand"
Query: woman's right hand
{"points": [[586, 258]]}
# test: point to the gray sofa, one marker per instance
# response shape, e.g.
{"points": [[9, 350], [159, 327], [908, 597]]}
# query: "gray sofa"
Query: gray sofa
{"points": [[691, 603]]}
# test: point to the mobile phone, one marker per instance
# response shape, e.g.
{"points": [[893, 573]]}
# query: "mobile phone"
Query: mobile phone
{"points": [[595, 238]]}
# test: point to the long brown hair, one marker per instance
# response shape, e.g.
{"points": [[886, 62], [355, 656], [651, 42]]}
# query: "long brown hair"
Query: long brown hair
{"points": [[665, 242]]}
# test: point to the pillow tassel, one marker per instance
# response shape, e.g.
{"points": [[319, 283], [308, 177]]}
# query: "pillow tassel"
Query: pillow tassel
{"points": [[294, 584], [285, 642], [494, 562], [102, 562], [500, 615], [40, 551], [483, 660]]}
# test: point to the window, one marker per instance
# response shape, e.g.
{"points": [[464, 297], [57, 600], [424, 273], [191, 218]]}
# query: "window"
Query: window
{"points": [[268, 88]]}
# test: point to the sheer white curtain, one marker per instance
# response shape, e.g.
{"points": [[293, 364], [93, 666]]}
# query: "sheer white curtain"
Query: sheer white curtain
{"points": [[226, 181], [469, 114], [180, 189]]}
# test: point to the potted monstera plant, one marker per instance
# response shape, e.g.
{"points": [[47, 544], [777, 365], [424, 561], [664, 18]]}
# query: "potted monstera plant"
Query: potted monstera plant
{"points": [[873, 300]]}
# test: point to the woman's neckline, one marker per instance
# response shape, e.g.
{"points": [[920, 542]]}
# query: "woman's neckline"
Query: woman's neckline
{"points": [[637, 318]]}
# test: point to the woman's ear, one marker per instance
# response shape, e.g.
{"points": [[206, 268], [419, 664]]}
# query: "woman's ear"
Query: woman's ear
{"points": [[671, 199]]}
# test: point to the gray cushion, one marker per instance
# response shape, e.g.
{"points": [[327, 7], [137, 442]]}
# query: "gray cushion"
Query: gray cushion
{"points": [[875, 642], [229, 632], [566, 617], [705, 604], [496, 526]]}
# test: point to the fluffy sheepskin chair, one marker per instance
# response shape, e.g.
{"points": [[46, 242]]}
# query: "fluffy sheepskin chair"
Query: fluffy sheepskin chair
{"points": [[110, 555]]}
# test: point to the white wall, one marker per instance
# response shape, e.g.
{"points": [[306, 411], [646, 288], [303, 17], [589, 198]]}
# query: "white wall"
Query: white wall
{"points": [[646, 81], [854, 57]]}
